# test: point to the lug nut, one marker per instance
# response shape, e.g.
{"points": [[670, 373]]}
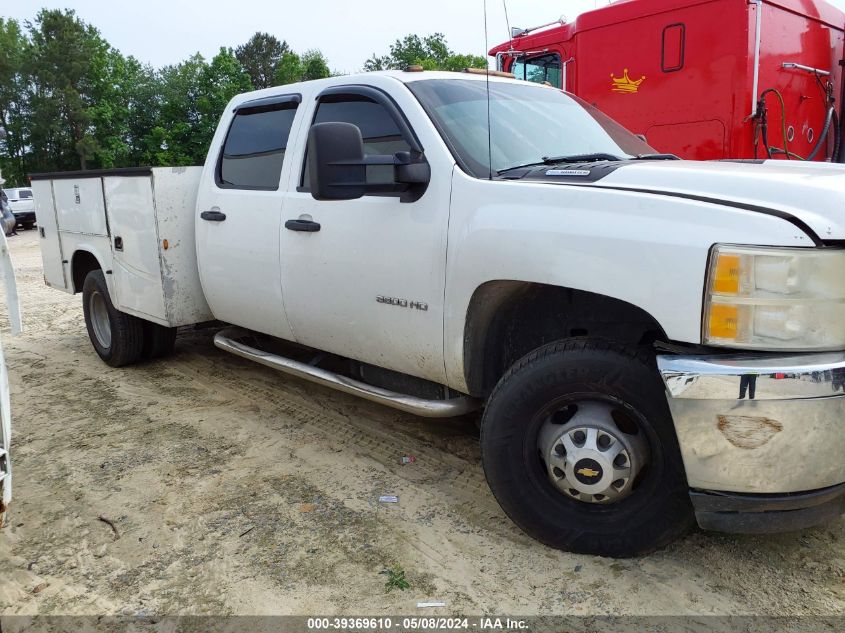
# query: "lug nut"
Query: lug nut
{"points": [[579, 437], [620, 460], [558, 472], [560, 449], [604, 441]]}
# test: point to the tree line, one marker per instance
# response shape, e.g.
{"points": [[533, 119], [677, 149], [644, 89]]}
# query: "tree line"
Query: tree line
{"points": [[69, 100]]}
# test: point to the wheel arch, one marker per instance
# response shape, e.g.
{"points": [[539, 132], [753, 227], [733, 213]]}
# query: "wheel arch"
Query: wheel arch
{"points": [[83, 262], [506, 319]]}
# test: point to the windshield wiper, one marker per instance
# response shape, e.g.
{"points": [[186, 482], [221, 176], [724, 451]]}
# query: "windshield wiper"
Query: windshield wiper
{"points": [[656, 157], [573, 158], [581, 158]]}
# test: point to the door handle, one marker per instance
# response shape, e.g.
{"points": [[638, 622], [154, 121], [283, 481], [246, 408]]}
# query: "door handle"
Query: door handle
{"points": [[213, 216], [309, 226]]}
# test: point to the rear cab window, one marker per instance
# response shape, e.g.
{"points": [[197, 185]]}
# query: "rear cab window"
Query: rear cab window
{"points": [[254, 150]]}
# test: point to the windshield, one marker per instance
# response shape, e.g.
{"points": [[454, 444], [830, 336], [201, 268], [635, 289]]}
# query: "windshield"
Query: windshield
{"points": [[529, 123]]}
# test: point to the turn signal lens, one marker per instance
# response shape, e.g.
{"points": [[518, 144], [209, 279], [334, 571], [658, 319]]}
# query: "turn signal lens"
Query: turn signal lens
{"points": [[726, 277], [775, 298], [723, 321]]}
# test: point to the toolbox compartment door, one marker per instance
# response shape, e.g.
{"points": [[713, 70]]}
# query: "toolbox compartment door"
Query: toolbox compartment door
{"points": [[134, 243], [48, 232], [79, 206]]}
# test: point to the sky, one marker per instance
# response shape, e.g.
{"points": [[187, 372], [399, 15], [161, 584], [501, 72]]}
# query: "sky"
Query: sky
{"points": [[347, 31], [163, 32]]}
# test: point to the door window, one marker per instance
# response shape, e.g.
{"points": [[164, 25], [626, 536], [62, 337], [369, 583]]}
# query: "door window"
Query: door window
{"points": [[380, 133], [543, 69], [255, 147]]}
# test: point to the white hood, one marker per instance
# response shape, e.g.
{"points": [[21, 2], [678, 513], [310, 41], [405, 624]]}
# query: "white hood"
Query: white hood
{"points": [[814, 193]]}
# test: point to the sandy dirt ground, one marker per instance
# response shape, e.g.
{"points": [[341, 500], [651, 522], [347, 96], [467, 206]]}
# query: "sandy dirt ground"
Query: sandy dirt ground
{"points": [[236, 490]]}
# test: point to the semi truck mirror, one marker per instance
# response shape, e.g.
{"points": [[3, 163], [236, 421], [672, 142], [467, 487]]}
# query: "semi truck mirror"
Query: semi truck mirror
{"points": [[336, 165]]}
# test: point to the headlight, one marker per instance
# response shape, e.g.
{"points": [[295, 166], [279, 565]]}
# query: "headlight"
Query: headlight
{"points": [[775, 298]]}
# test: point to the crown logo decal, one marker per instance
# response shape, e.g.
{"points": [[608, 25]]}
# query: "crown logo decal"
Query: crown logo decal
{"points": [[625, 84]]}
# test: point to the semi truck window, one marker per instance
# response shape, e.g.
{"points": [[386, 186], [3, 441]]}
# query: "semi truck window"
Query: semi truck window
{"points": [[674, 37], [542, 69], [379, 132], [255, 146]]}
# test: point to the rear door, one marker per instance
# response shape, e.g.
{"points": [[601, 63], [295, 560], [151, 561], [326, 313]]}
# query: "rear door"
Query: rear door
{"points": [[240, 216]]}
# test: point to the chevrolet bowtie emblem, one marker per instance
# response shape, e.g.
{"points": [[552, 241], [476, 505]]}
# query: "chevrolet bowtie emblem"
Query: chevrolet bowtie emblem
{"points": [[587, 472]]}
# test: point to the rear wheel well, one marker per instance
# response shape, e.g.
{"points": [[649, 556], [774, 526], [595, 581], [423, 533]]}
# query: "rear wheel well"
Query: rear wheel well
{"points": [[81, 264], [508, 319]]}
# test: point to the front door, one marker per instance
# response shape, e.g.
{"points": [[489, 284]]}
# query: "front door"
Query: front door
{"points": [[369, 283], [239, 217]]}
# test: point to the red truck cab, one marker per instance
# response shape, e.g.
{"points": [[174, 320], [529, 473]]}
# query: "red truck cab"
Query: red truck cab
{"points": [[702, 79]]}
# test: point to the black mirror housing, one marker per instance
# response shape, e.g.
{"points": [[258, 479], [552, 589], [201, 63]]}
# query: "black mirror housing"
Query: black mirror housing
{"points": [[410, 171], [336, 167]]}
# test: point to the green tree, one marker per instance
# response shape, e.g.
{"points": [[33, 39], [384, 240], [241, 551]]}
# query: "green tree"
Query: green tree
{"points": [[219, 81], [260, 57], [171, 140], [142, 89], [193, 97], [66, 62], [312, 64], [289, 69], [431, 52], [13, 101]]}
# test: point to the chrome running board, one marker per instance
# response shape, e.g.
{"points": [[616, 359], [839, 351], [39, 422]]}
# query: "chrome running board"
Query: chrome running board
{"points": [[452, 407]]}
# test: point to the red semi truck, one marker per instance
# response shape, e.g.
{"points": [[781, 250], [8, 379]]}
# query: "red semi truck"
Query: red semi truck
{"points": [[703, 79]]}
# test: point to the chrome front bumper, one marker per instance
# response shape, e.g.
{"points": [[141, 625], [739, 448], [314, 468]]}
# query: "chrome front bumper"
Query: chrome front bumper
{"points": [[788, 438]]}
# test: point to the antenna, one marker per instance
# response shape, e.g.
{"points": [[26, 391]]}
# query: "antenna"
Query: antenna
{"points": [[508, 22], [487, 76]]}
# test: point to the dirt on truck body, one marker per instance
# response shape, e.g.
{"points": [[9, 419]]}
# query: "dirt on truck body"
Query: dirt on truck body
{"points": [[205, 484]]}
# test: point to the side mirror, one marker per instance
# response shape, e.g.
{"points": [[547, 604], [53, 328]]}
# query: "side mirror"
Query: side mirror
{"points": [[336, 169], [407, 171]]}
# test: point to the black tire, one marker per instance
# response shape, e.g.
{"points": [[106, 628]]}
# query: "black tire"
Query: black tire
{"points": [[126, 332], [159, 341], [28, 226], [658, 509]]}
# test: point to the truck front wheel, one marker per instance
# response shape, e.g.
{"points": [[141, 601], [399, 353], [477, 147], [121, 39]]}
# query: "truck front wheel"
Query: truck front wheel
{"points": [[117, 337], [579, 448]]}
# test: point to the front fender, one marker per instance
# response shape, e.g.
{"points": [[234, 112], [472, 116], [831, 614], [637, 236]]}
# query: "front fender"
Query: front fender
{"points": [[645, 249]]}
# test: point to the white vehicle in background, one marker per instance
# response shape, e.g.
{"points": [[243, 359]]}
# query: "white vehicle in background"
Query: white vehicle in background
{"points": [[655, 342], [22, 205]]}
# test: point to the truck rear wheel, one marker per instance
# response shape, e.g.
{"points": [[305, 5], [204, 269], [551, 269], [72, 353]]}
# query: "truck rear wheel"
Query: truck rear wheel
{"points": [[579, 448], [117, 337]]}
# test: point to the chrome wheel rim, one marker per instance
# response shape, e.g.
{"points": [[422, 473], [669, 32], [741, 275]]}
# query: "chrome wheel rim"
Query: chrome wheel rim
{"points": [[100, 323], [593, 451]]}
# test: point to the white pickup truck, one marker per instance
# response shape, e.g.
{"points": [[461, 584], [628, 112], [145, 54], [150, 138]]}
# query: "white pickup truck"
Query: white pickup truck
{"points": [[653, 341]]}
